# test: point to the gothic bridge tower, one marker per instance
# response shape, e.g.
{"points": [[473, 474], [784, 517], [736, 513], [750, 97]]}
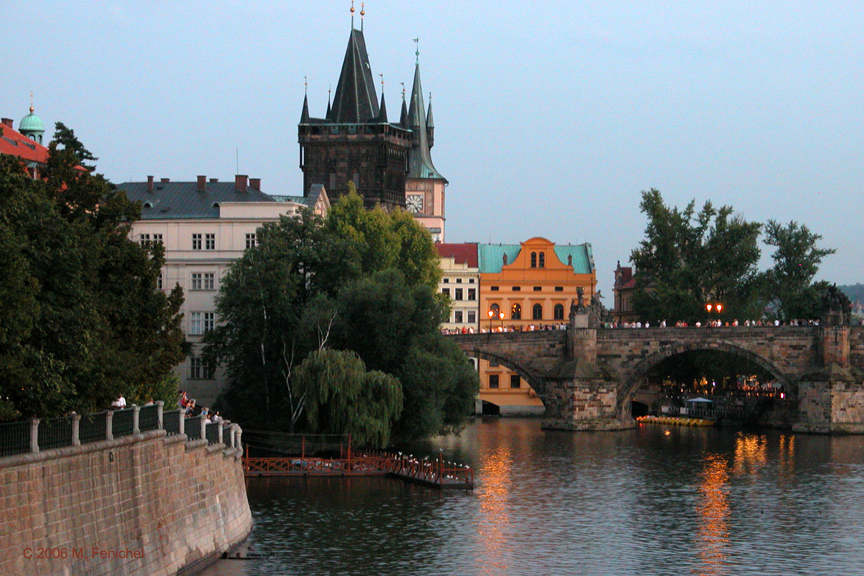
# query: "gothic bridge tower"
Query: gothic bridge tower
{"points": [[355, 142]]}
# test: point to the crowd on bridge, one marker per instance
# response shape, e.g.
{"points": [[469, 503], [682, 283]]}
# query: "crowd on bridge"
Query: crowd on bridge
{"points": [[190, 409], [631, 325]]}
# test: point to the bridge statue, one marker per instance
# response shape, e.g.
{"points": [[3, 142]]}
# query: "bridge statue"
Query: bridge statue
{"points": [[587, 376]]}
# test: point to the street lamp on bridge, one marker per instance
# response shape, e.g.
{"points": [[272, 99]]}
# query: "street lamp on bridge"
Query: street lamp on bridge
{"points": [[717, 307]]}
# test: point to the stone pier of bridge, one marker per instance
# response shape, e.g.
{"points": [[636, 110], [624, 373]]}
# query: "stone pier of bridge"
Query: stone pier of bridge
{"points": [[587, 376]]}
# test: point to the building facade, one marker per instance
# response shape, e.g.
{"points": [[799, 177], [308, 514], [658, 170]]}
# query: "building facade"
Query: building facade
{"points": [[389, 163], [204, 226], [622, 293], [527, 286], [461, 283], [26, 142]]}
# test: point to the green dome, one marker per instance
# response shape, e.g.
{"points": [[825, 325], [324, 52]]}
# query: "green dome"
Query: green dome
{"points": [[31, 123]]}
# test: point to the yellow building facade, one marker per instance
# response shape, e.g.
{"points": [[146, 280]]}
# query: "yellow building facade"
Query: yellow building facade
{"points": [[527, 286]]}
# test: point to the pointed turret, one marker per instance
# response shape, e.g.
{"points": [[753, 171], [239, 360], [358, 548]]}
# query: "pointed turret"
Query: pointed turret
{"points": [[419, 159], [328, 104], [430, 124], [403, 116], [356, 101], [304, 115], [382, 117]]}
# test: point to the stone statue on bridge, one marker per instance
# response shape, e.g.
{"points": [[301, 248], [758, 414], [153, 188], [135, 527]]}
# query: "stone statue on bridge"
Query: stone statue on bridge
{"points": [[836, 308]]}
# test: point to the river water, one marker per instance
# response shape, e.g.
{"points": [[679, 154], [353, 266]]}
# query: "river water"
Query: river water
{"points": [[654, 500]]}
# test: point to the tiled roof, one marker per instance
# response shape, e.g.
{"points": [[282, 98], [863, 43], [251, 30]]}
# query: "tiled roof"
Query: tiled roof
{"points": [[492, 256], [14, 143], [178, 200], [461, 253]]}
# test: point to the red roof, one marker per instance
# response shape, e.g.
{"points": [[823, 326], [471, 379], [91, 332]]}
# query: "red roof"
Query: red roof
{"points": [[14, 143], [461, 253]]}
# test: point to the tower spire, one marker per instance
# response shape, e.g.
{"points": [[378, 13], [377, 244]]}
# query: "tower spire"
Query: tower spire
{"points": [[362, 14]]}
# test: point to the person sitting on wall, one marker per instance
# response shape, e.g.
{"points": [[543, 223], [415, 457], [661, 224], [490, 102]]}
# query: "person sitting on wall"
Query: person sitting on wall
{"points": [[184, 400], [119, 403]]}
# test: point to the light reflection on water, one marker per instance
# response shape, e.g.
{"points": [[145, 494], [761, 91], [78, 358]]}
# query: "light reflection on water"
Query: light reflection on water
{"points": [[693, 501]]}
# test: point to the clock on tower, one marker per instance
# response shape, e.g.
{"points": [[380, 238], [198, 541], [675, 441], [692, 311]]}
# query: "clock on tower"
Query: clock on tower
{"points": [[414, 203]]}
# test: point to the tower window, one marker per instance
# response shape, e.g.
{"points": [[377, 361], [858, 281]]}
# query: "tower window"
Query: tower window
{"points": [[533, 259], [516, 312], [542, 257]]}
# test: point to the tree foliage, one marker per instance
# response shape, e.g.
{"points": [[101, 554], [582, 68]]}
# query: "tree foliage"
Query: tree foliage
{"points": [[796, 261], [690, 258], [360, 281], [80, 317]]}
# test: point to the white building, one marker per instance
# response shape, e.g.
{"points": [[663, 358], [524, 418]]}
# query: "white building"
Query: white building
{"points": [[204, 226]]}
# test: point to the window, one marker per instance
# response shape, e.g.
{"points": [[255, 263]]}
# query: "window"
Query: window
{"points": [[458, 316], [516, 312], [159, 282], [515, 381], [472, 317], [559, 312], [493, 288], [533, 259], [209, 241], [199, 370], [446, 292], [201, 322], [157, 238], [538, 288], [458, 280], [470, 281], [496, 310], [195, 323], [559, 288], [493, 381], [446, 280], [537, 312], [209, 281], [144, 240], [196, 241], [250, 241], [458, 293], [542, 259], [197, 281], [517, 288], [472, 294]]}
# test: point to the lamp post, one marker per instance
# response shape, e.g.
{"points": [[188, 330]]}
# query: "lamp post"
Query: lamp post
{"points": [[491, 314], [501, 317], [717, 307]]}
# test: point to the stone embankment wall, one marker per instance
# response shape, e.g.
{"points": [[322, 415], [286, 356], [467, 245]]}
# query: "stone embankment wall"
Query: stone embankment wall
{"points": [[148, 505]]}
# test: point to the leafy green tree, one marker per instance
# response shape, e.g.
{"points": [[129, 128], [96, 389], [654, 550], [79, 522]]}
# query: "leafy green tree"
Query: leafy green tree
{"points": [[360, 280], [689, 258], [796, 261], [343, 398], [81, 317], [66, 139]]}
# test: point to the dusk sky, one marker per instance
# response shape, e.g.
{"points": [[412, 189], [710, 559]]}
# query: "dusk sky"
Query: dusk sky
{"points": [[550, 117]]}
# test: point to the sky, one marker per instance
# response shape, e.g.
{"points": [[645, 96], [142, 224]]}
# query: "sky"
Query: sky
{"points": [[551, 118]]}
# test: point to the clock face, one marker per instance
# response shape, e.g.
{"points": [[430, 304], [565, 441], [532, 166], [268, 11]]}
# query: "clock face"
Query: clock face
{"points": [[414, 203]]}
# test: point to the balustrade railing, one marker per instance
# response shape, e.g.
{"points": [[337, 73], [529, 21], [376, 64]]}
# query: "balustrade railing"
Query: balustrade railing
{"points": [[74, 430]]}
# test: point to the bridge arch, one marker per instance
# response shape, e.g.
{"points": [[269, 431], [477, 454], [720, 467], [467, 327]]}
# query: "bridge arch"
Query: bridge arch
{"points": [[537, 382], [634, 377]]}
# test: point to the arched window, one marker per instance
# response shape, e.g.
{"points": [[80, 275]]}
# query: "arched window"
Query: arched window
{"points": [[559, 311], [496, 310], [537, 312], [516, 312], [533, 259], [542, 259]]}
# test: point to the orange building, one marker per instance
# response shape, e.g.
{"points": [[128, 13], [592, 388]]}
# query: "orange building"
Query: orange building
{"points": [[527, 286]]}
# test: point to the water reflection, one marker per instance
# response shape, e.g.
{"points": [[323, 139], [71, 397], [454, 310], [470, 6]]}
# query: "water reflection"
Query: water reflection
{"points": [[653, 500]]}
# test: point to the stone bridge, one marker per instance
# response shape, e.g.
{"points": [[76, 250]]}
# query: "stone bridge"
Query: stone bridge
{"points": [[587, 377]]}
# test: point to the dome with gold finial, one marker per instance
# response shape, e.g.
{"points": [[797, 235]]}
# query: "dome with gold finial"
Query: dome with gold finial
{"points": [[32, 126]]}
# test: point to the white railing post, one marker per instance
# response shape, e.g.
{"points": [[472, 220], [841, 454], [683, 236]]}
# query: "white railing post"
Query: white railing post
{"points": [[203, 428], [160, 414], [34, 435], [136, 420], [231, 436], [76, 429], [221, 433], [238, 438], [109, 425], [182, 428]]}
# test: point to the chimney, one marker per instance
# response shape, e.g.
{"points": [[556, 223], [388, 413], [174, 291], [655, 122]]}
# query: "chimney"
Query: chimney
{"points": [[149, 184], [214, 180], [7, 122], [202, 183], [255, 184], [240, 183], [164, 180]]}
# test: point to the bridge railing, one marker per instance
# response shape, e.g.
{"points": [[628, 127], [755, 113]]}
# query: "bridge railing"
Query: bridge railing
{"points": [[36, 435]]}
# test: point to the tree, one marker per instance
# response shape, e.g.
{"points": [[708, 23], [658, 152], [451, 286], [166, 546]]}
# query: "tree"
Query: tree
{"points": [[65, 138], [688, 259], [81, 318], [796, 261], [360, 281]]}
